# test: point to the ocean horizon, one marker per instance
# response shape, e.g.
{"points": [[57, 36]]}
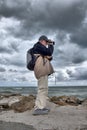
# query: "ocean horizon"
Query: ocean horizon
{"points": [[78, 91]]}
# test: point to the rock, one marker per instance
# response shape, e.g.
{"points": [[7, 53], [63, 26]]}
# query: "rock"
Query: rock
{"points": [[72, 100], [18, 103], [25, 103], [1, 97], [21, 107], [4, 104], [1, 108], [58, 101], [13, 99], [66, 100], [3, 101], [84, 103]]}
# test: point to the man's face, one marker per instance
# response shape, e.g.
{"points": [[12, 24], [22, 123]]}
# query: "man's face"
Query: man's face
{"points": [[43, 42]]}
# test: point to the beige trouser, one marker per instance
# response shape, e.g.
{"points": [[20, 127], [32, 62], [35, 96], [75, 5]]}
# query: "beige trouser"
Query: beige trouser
{"points": [[42, 93]]}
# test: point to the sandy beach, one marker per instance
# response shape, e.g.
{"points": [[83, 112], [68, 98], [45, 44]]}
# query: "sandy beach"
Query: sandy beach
{"points": [[67, 113]]}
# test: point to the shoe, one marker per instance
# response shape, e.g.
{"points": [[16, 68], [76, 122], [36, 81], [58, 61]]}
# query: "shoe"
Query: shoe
{"points": [[46, 109], [40, 111]]}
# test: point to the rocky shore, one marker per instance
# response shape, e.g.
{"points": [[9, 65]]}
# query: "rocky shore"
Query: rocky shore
{"points": [[20, 103], [67, 113]]}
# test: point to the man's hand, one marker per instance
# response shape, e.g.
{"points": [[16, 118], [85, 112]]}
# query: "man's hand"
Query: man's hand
{"points": [[48, 57], [50, 42]]}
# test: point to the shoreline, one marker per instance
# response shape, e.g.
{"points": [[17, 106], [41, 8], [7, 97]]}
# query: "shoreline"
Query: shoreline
{"points": [[67, 113], [80, 92]]}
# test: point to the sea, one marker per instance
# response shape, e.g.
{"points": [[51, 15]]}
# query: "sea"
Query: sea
{"points": [[78, 91]]}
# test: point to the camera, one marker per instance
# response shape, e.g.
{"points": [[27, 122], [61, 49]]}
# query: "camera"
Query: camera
{"points": [[52, 43]]}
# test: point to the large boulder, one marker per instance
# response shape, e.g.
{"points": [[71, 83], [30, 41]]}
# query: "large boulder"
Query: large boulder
{"points": [[18, 103], [5, 103], [25, 103]]}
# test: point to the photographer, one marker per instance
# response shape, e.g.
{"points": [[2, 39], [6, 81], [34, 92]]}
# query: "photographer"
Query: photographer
{"points": [[44, 50]]}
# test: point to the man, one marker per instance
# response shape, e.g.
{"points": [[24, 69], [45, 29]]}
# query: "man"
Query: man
{"points": [[44, 50]]}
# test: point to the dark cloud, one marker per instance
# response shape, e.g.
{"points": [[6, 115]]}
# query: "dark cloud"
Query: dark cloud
{"points": [[68, 54], [43, 15], [63, 20], [2, 69], [5, 49], [80, 36], [78, 57], [11, 8], [80, 73]]}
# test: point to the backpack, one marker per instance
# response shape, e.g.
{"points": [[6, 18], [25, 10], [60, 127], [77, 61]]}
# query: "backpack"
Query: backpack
{"points": [[31, 59]]}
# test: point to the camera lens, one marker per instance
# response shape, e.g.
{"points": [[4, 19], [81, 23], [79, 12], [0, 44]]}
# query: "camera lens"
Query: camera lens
{"points": [[53, 43]]}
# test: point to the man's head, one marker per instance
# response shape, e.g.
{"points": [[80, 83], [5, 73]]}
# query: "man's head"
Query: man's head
{"points": [[44, 40], [43, 37]]}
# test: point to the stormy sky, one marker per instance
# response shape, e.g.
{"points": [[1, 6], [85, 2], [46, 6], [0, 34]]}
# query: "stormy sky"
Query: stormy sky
{"points": [[22, 22]]}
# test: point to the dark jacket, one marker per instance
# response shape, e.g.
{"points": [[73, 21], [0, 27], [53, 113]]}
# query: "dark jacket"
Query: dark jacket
{"points": [[41, 49], [43, 66]]}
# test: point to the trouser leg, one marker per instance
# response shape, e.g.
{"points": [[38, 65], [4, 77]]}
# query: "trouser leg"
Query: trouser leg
{"points": [[42, 93]]}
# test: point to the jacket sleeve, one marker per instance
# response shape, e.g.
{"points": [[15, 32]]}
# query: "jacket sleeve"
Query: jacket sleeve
{"points": [[41, 49]]}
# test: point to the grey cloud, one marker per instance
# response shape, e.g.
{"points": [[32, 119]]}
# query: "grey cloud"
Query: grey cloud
{"points": [[2, 78], [14, 46], [78, 59], [12, 70], [37, 18], [11, 8], [47, 17], [80, 36], [2, 69], [60, 76], [10, 48], [79, 74], [65, 18], [4, 61], [18, 63], [12, 60], [68, 54], [5, 49], [79, 56], [22, 78]]}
